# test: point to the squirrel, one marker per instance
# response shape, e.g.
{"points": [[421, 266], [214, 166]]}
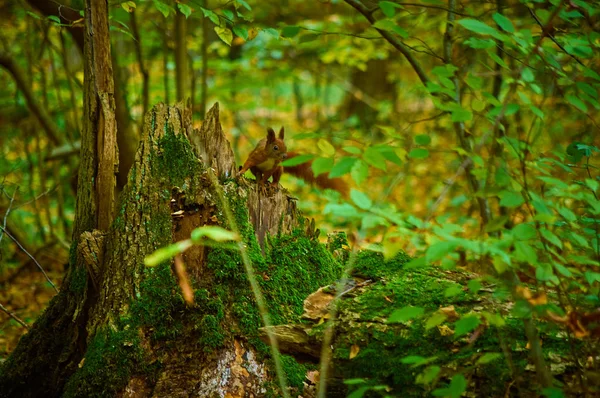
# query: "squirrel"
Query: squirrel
{"points": [[264, 162]]}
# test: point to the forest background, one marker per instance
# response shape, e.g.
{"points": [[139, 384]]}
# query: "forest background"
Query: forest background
{"points": [[467, 130]]}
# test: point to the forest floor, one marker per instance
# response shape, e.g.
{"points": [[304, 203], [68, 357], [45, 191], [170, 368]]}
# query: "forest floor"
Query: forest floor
{"points": [[26, 293]]}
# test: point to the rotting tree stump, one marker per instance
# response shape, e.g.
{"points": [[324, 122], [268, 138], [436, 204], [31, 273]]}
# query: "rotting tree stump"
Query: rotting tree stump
{"points": [[118, 328]]}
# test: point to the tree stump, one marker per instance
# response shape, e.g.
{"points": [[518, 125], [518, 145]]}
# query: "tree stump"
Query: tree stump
{"points": [[119, 328]]}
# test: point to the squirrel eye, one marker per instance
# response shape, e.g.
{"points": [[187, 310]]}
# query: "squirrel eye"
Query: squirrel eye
{"points": [[275, 147]]}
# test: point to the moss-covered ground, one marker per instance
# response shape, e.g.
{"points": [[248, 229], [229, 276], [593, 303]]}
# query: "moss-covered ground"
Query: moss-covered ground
{"points": [[382, 345]]}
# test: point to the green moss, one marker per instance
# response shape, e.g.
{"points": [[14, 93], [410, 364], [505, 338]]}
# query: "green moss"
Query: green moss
{"points": [[78, 280], [295, 372], [382, 346], [370, 265], [176, 159], [111, 359], [159, 306], [211, 336]]}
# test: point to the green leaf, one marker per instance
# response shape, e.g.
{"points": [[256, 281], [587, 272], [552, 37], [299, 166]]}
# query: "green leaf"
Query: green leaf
{"points": [[228, 14], [488, 357], [345, 210], [290, 31], [162, 7], [244, 4], [524, 231], [272, 32], [405, 314], [553, 392], [564, 271], [428, 375], [352, 149], [466, 324], [452, 291], [422, 139], [415, 263], [167, 253], [360, 199], [360, 172], [218, 234], [511, 199], [373, 157], [504, 23], [474, 285], [241, 31], [576, 102], [224, 34], [550, 237], [359, 393], [457, 386], [525, 253], [54, 18], [322, 165], [537, 111], [544, 272], [35, 16], [461, 115], [413, 360], [434, 320], [186, 10], [479, 27], [439, 250], [296, 160], [354, 381], [343, 167], [305, 38], [418, 153], [388, 8], [493, 319], [210, 15]]}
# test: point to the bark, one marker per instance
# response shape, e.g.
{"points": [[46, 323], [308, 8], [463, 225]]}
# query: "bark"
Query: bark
{"points": [[204, 51], [181, 58]]}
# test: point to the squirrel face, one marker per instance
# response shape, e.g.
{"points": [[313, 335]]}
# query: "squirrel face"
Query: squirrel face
{"points": [[275, 147]]}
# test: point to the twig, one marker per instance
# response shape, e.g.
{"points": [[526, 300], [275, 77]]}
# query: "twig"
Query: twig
{"points": [[31, 257], [13, 316], [8, 211], [552, 37], [342, 34]]}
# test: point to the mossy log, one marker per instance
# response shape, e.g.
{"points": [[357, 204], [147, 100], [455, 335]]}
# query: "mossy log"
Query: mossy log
{"points": [[118, 328], [368, 350]]}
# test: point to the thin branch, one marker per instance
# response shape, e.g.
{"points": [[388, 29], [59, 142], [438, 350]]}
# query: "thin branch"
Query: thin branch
{"points": [[342, 34], [8, 210], [435, 7], [552, 37], [392, 39], [13, 316], [31, 257]]}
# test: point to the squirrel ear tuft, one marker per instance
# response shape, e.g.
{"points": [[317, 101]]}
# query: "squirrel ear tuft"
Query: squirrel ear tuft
{"points": [[270, 135], [281, 133]]}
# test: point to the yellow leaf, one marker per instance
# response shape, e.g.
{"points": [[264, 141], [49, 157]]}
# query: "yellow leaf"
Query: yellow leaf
{"points": [[354, 351]]}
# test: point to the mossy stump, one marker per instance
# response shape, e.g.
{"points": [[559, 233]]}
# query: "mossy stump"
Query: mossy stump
{"points": [[118, 328]]}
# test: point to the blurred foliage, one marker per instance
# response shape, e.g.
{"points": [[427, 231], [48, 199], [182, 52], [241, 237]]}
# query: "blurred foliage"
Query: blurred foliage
{"points": [[487, 159]]}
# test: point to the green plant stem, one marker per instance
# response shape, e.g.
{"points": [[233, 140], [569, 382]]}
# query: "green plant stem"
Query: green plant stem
{"points": [[258, 296]]}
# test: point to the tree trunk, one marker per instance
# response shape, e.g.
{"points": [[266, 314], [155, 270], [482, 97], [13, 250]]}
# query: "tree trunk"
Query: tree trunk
{"points": [[181, 57]]}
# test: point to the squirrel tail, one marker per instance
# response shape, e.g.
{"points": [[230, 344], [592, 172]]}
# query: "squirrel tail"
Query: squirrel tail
{"points": [[304, 171]]}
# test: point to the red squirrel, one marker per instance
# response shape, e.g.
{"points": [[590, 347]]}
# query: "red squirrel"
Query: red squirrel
{"points": [[264, 162]]}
